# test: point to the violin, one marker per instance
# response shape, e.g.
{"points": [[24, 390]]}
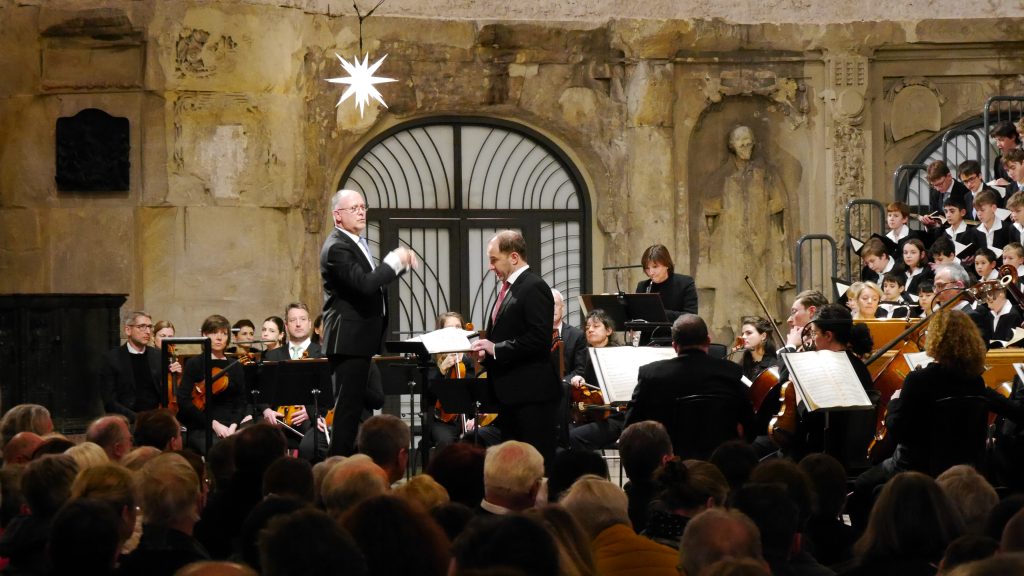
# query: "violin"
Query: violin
{"points": [[588, 405], [172, 384], [220, 384]]}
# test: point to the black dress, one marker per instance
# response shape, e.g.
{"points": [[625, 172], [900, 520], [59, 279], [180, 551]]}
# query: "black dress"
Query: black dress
{"points": [[226, 407]]}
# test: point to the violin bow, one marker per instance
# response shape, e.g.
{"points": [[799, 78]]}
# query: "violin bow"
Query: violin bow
{"points": [[765, 309]]}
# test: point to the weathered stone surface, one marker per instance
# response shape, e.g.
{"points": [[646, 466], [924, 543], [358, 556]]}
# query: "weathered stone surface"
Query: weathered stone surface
{"points": [[93, 251], [22, 252]]}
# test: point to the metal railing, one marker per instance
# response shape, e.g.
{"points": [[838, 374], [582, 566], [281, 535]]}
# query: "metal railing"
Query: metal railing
{"points": [[862, 218], [815, 262], [1008, 108]]}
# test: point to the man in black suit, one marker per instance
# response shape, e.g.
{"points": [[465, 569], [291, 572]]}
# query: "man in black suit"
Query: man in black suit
{"points": [[355, 310], [691, 372], [299, 346], [129, 377], [517, 349]]}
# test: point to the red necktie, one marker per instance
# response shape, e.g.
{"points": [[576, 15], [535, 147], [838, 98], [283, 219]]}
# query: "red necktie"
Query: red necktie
{"points": [[501, 298]]}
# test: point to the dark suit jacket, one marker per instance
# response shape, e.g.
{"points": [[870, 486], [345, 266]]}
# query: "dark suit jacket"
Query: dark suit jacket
{"points": [[521, 368], [678, 293], [354, 295], [282, 353], [958, 191], [970, 236], [692, 372], [574, 350], [118, 385]]}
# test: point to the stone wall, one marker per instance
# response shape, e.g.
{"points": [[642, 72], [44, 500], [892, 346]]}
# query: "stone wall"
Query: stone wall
{"points": [[237, 144]]}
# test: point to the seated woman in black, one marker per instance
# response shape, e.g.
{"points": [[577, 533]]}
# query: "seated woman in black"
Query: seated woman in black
{"points": [[758, 346], [958, 360], [597, 431], [225, 400], [678, 292]]}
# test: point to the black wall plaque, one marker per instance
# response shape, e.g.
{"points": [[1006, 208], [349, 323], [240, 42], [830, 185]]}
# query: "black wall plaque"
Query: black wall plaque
{"points": [[92, 152]]}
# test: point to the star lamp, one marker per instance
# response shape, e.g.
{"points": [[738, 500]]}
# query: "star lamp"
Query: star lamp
{"points": [[361, 81]]}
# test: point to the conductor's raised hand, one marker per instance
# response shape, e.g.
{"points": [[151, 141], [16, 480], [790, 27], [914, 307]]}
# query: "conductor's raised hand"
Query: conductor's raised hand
{"points": [[483, 348], [407, 257]]}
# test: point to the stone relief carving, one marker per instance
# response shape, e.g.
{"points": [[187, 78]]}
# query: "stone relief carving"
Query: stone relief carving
{"points": [[845, 97], [196, 56], [749, 227], [914, 106], [789, 93]]}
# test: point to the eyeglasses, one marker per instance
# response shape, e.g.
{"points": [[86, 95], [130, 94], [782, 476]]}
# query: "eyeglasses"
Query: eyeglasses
{"points": [[969, 179], [142, 327], [353, 209], [941, 285]]}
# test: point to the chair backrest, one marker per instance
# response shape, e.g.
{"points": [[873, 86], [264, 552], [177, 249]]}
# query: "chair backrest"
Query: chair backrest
{"points": [[700, 423], [959, 430]]}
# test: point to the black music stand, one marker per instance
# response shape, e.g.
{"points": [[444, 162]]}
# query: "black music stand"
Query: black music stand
{"points": [[423, 363], [642, 312], [466, 396], [207, 367], [294, 383]]}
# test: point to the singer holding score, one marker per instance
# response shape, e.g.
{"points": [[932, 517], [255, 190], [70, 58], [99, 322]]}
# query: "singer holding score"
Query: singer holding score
{"points": [[517, 350], [355, 310], [678, 292]]}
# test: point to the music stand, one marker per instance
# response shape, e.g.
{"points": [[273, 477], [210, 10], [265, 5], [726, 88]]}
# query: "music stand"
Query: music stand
{"points": [[466, 396], [642, 312], [423, 364], [295, 383]]}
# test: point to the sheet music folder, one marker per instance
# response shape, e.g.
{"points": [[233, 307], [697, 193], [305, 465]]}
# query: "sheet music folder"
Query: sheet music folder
{"points": [[826, 380], [465, 395], [291, 382], [630, 308]]}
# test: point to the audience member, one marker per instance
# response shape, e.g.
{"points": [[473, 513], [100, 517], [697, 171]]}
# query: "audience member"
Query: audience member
{"points": [[261, 516], [1001, 514], [46, 486], [114, 486], [171, 500], [602, 509], [112, 433], [320, 470], [717, 534], [971, 495], [20, 448], [11, 499], [53, 445], [352, 481], [736, 567], [85, 538], [25, 418], [383, 523], [736, 459], [569, 465], [423, 491], [215, 568], [827, 537], [159, 429], [498, 543], [221, 461], [138, 457], [642, 448], [290, 477], [998, 565], [967, 548], [326, 547], [513, 474], [1013, 534], [87, 454], [452, 517], [385, 439], [684, 490], [574, 555], [459, 468], [777, 517]]}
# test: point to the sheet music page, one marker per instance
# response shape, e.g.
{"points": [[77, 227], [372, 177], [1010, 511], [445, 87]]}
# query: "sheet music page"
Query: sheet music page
{"points": [[445, 340], [616, 368], [917, 360], [826, 379]]}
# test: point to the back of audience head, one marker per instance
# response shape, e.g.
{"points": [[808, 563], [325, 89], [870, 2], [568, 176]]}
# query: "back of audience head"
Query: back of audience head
{"points": [[777, 517], [159, 429], [512, 474], [320, 470], [46, 483], [325, 546], [597, 504], [53, 445], [258, 519], [998, 565], [452, 517], [138, 457], [84, 538], [385, 439], [384, 524], [569, 465], [737, 567], [512, 541], [689, 487], [715, 534], [221, 461], [25, 418], [912, 517], [288, 476], [967, 548], [643, 447], [1001, 514], [971, 495], [352, 481], [736, 459], [1013, 534], [113, 485], [574, 553], [113, 433], [215, 568], [828, 478], [423, 491], [256, 447], [86, 455], [11, 498], [20, 448], [796, 482], [169, 491], [459, 467]]}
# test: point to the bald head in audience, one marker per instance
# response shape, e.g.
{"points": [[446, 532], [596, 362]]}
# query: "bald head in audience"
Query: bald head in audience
{"points": [[211, 568], [352, 481], [19, 450], [715, 534], [112, 434], [512, 476]]}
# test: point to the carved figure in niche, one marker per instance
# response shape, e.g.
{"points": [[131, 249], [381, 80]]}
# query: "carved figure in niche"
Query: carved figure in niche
{"points": [[746, 228]]}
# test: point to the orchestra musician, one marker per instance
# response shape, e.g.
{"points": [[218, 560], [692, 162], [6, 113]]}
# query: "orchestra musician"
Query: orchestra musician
{"points": [[517, 350], [225, 400], [272, 333], [866, 296], [758, 348], [129, 377], [958, 360], [603, 429], [244, 333], [355, 310], [678, 292], [299, 346], [164, 329], [569, 356]]}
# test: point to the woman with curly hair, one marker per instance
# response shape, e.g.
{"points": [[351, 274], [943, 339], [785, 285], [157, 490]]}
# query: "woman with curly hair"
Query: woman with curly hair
{"points": [[958, 353]]}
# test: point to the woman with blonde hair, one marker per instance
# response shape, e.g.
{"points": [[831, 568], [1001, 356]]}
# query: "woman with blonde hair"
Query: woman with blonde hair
{"points": [[865, 296]]}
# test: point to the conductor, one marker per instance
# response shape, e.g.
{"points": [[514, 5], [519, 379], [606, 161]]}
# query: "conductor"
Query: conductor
{"points": [[355, 310]]}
